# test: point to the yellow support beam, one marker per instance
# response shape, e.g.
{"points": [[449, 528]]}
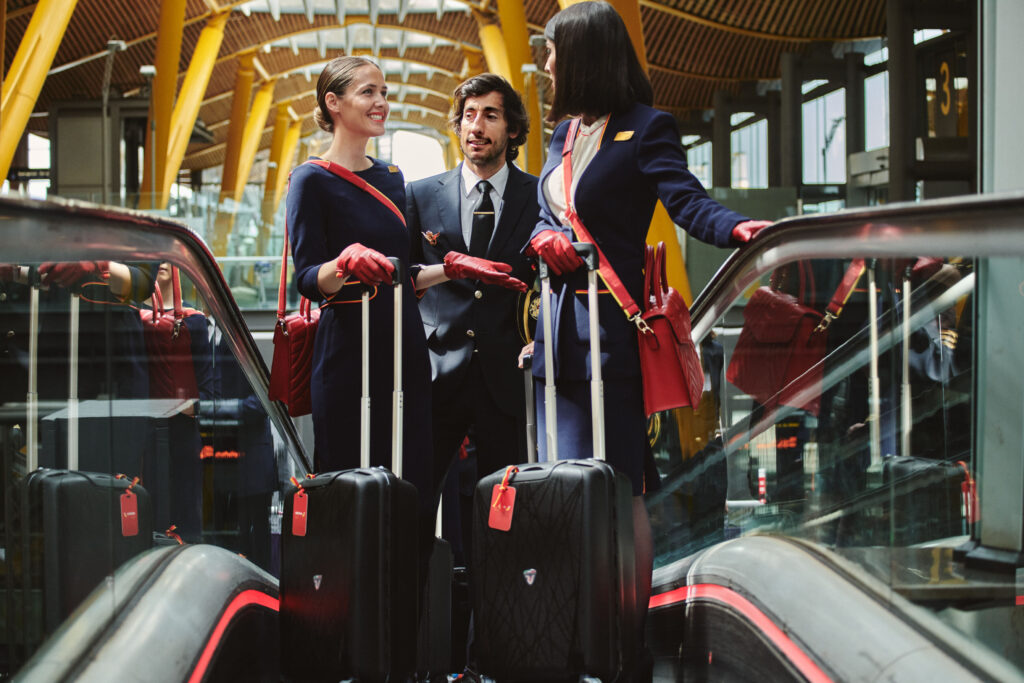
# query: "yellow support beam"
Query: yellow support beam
{"points": [[534, 146], [24, 80], [282, 121], [164, 85], [452, 151], [289, 159], [493, 43], [253, 132], [244, 77], [512, 15], [186, 109]]}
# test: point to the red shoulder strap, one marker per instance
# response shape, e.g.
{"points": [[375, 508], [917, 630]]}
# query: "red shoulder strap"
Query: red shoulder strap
{"points": [[605, 270], [348, 175]]}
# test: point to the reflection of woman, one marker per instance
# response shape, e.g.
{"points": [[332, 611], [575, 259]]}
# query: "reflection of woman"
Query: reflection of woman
{"points": [[625, 156], [185, 443], [341, 234]]}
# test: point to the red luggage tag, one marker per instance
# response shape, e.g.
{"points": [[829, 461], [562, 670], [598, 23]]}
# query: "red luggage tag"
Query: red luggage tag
{"points": [[129, 509], [129, 514], [503, 500], [969, 490], [299, 503]]}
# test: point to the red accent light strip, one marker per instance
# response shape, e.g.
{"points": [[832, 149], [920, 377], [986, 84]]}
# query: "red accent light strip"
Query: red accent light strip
{"points": [[244, 599], [1020, 600], [732, 599]]}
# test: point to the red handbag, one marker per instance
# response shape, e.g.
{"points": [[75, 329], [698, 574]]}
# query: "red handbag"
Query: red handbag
{"points": [[670, 368], [778, 356], [672, 373], [294, 334], [169, 346]]}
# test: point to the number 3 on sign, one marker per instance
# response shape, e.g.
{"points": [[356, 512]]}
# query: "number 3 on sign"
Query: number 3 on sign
{"points": [[946, 98]]}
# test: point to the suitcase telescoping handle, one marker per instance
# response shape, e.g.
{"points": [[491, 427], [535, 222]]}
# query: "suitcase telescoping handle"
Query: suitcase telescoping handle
{"points": [[589, 254], [531, 409], [398, 398], [32, 395], [397, 403]]}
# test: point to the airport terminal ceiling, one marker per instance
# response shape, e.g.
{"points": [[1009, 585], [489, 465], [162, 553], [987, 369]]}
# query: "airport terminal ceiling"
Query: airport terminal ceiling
{"points": [[694, 48]]}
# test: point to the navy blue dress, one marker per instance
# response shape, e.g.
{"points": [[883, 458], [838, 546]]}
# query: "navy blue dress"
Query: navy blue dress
{"points": [[325, 214]]}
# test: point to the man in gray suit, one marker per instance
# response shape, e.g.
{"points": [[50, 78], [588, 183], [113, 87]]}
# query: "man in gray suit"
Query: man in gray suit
{"points": [[484, 207]]}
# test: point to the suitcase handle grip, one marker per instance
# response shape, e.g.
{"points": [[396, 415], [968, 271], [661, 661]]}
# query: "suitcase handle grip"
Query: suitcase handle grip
{"points": [[396, 274], [587, 252]]}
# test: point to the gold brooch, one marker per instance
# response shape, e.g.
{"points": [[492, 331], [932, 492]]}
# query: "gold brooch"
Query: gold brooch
{"points": [[431, 237]]}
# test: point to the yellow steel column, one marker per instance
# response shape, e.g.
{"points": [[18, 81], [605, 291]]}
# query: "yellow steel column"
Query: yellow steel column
{"points": [[493, 44], [453, 151], [534, 146], [183, 120], [28, 71], [164, 85], [288, 160], [512, 15], [282, 120], [239, 110], [254, 126], [225, 221]]}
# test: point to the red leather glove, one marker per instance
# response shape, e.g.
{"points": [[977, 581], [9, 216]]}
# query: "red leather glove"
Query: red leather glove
{"points": [[369, 266], [745, 231], [458, 266], [71, 273], [556, 250]]}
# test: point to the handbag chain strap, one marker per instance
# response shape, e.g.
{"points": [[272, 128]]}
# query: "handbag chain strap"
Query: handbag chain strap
{"points": [[605, 270]]}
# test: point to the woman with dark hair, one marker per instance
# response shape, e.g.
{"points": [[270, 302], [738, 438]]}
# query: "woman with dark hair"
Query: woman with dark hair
{"points": [[622, 157], [345, 217]]}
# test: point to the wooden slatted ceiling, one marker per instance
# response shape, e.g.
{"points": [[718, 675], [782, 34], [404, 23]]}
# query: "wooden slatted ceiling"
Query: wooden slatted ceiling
{"points": [[695, 47]]}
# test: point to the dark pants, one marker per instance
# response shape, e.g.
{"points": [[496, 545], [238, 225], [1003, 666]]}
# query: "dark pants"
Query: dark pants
{"points": [[500, 438]]}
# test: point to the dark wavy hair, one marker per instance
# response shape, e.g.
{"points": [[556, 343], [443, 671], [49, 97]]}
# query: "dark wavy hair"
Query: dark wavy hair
{"points": [[336, 77], [596, 68], [516, 120]]}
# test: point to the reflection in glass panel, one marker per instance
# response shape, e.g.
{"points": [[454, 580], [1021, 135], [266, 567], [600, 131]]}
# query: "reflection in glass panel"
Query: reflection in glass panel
{"points": [[857, 438], [126, 422]]}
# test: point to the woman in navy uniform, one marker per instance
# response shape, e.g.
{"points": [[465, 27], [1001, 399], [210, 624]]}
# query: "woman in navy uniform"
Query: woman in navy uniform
{"points": [[625, 157], [341, 235]]}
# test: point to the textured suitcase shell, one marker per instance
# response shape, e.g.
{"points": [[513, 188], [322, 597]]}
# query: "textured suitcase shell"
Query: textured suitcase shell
{"points": [[555, 596]]}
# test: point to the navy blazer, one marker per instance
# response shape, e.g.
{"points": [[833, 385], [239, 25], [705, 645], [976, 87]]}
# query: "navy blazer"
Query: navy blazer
{"points": [[640, 160], [454, 309]]}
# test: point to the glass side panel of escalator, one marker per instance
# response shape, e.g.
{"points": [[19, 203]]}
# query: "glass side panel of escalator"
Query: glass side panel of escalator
{"points": [[101, 392], [869, 454]]}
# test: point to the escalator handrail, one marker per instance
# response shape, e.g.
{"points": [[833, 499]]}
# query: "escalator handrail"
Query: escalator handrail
{"points": [[906, 229]]}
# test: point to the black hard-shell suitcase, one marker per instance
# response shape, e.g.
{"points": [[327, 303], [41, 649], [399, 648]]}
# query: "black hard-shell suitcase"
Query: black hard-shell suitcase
{"points": [[349, 560], [348, 585], [554, 596], [79, 530], [72, 528]]}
